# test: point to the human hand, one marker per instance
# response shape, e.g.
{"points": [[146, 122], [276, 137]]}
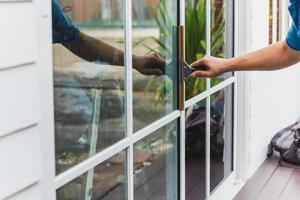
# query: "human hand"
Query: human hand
{"points": [[215, 66], [149, 65]]}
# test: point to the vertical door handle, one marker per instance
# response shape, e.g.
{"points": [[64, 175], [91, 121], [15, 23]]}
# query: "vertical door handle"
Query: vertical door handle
{"points": [[184, 69], [181, 57]]}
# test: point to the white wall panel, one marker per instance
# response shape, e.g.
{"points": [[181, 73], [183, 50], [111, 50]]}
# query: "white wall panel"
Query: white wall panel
{"points": [[18, 34], [273, 106], [20, 161], [19, 106], [31, 193], [26, 129]]}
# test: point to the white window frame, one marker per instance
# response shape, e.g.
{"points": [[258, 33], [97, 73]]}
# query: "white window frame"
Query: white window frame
{"points": [[51, 182], [45, 75]]}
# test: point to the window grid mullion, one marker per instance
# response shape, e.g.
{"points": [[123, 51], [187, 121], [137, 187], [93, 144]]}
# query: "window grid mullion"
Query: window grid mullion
{"points": [[129, 99], [207, 129], [182, 177], [124, 144], [81, 168], [211, 91]]}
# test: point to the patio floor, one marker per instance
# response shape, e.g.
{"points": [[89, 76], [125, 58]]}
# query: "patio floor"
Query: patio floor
{"points": [[272, 182], [195, 177]]}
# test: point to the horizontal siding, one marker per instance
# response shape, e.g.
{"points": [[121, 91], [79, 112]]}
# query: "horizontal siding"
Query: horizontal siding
{"points": [[20, 114], [22, 161], [18, 38], [19, 106]]}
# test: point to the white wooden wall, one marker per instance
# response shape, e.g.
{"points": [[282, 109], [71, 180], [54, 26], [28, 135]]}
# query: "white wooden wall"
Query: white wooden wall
{"points": [[25, 68], [274, 97]]}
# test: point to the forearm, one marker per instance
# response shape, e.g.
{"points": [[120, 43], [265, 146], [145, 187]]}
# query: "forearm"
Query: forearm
{"points": [[91, 49], [273, 57]]}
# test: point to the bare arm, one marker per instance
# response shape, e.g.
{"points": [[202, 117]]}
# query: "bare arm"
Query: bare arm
{"points": [[92, 49], [273, 57]]}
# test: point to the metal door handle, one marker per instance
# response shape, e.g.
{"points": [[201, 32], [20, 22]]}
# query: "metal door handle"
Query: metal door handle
{"points": [[181, 57], [185, 70]]}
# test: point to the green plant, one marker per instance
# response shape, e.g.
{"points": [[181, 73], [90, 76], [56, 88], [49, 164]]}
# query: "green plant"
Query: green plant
{"points": [[166, 20], [195, 44]]}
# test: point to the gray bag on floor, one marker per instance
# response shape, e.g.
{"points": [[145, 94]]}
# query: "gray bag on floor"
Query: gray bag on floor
{"points": [[287, 143]]}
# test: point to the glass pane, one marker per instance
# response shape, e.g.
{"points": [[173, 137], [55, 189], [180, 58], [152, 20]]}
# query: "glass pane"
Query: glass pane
{"points": [[155, 165], [88, 45], [195, 151], [154, 49], [107, 181], [221, 33], [221, 141], [195, 42]]}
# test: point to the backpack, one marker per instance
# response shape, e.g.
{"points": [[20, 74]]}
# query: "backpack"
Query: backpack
{"points": [[287, 143], [195, 131]]}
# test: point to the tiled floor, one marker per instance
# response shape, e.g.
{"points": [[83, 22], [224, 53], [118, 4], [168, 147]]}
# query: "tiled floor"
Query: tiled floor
{"points": [[272, 182]]}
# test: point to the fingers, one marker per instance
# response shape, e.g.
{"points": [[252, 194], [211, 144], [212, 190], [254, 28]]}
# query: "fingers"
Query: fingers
{"points": [[157, 63], [161, 65], [201, 74], [200, 62], [156, 72]]}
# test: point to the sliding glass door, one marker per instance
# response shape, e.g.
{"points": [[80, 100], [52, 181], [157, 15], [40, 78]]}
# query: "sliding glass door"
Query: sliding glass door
{"points": [[115, 89], [209, 102], [119, 99]]}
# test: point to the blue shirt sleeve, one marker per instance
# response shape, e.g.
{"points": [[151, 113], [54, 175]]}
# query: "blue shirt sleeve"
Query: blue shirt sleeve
{"points": [[293, 36], [292, 39], [63, 29]]}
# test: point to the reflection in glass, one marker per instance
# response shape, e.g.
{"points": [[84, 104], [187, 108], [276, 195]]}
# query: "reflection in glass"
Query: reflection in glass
{"points": [[88, 78], [195, 151], [154, 96], [221, 33], [107, 181], [221, 141], [155, 165], [195, 42]]}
